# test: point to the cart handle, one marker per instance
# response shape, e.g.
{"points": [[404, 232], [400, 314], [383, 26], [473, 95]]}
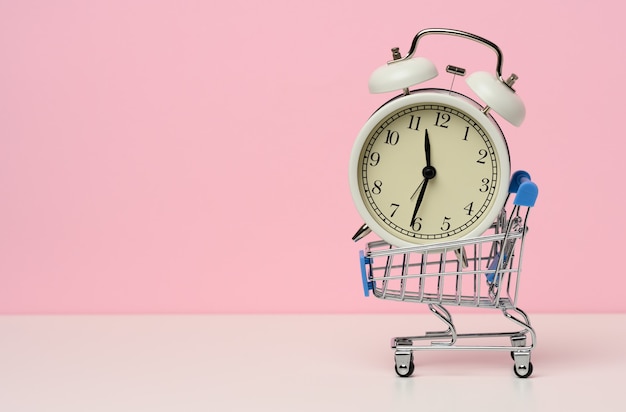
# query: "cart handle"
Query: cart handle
{"points": [[367, 285], [525, 191]]}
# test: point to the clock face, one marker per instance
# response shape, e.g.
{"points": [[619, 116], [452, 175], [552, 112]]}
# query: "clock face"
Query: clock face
{"points": [[429, 167]]}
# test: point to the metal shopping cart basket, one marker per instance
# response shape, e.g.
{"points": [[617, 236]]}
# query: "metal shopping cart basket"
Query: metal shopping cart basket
{"points": [[482, 272]]}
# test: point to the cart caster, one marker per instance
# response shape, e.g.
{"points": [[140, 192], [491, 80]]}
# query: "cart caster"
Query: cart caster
{"points": [[523, 367], [404, 364], [523, 371]]}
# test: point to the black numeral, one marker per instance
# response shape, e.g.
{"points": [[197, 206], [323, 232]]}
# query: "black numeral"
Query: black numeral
{"points": [[445, 226], [483, 154], [374, 158], [466, 133], [442, 120], [469, 208], [395, 207], [392, 137], [378, 187], [485, 185], [414, 124], [417, 224]]}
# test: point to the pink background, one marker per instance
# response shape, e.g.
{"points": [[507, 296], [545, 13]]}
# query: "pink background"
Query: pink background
{"points": [[191, 156]]}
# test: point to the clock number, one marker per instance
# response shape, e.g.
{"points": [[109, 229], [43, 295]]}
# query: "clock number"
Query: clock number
{"points": [[414, 124], [442, 120], [466, 133], [446, 224], [417, 224], [485, 185], [483, 154], [469, 208], [374, 158], [392, 138], [378, 186], [395, 207]]}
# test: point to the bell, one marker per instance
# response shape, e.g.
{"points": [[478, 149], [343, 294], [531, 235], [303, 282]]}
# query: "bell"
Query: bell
{"points": [[498, 96], [402, 74]]}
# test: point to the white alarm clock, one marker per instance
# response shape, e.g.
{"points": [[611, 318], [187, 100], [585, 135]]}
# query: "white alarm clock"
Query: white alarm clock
{"points": [[432, 165]]}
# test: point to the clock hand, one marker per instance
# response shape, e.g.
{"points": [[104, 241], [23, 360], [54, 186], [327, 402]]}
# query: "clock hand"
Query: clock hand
{"points": [[418, 189], [420, 198], [428, 172], [427, 148]]}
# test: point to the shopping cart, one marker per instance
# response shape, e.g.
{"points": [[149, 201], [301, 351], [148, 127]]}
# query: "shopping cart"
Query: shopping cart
{"points": [[482, 272]]}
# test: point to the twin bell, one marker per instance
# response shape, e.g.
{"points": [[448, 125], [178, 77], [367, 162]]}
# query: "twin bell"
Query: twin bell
{"points": [[404, 72]]}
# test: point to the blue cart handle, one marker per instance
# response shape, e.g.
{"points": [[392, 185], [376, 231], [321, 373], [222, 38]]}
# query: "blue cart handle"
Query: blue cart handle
{"points": [[367, 285], [525, 191]]}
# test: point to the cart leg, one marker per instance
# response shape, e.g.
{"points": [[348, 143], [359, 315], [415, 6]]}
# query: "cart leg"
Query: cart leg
{"points": [[445, 316], [525, 323], [523, 367], [517, 341]]}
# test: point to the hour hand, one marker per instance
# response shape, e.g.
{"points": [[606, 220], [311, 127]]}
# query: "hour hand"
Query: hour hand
{"points": [[427, 148], [429, 171]]}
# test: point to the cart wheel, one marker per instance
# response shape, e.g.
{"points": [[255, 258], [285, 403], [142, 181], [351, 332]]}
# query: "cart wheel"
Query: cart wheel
{"points": [[405, 370], [523, 371]]}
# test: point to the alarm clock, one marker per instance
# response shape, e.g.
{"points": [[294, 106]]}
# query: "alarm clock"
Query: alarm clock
{"points": [[432, 165]]}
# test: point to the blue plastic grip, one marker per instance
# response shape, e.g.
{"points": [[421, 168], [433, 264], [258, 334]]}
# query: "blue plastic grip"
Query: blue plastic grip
{"points": [[367, 286], [525, 191], [491, 274], [491, 270]]}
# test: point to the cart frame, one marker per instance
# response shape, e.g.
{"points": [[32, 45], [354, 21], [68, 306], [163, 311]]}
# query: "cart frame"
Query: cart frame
{"points": [[481, 272]]}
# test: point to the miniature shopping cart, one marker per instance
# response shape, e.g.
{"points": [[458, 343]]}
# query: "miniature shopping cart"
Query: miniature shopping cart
{"points": [[482, 272]]}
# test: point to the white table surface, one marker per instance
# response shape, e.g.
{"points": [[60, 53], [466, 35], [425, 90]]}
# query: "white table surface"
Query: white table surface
{"points": [[299, 363]]}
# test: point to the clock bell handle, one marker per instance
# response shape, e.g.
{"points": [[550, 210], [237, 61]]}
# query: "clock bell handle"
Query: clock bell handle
{"points": [[525, 190], [457, 33]]}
